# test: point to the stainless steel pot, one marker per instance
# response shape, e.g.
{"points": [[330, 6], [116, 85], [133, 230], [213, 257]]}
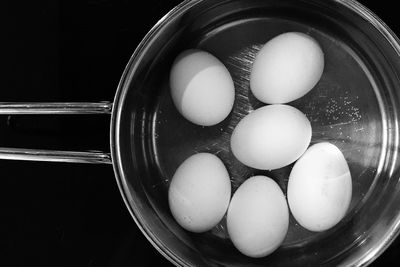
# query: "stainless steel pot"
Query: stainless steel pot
{"points": [[355, 106]]}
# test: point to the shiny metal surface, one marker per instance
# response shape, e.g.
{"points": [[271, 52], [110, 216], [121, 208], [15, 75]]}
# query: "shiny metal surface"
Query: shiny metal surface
{"points": [[355, 106], [93, 157], [9, 108]]}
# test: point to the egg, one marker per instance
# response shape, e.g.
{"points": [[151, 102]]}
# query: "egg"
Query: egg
{"points": [[320, 188], [286, 68], [271, 137], [199, 192], [258, 217], [202, 88]]}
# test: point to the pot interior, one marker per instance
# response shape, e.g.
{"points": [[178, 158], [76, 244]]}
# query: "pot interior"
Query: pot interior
{"points": [[353, 106]]}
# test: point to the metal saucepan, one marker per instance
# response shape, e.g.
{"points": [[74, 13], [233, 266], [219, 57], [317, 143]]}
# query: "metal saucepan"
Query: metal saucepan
{"points": [[355, 106]]}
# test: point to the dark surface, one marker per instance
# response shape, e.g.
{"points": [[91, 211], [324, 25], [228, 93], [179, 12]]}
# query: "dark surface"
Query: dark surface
{"points": [[56, 214]]}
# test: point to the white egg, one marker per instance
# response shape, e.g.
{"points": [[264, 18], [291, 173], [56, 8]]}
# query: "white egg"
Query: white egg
{"points": [[199, 192], [320, 188], [258, 217], [201, 87], [286, 68], [271, 137]]}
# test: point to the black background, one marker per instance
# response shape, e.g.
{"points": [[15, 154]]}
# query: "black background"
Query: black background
{"points": [[58, 214]]}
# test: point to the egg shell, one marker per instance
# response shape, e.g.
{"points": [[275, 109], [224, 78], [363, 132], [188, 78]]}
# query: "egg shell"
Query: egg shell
{"points": [[199, 192], [202, 88], [320, 187], [271, 137], [258, 217], [286, 68]]}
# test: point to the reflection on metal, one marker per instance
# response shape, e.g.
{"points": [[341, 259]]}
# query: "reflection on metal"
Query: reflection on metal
{"points": [[54, 155], [11, 108]]}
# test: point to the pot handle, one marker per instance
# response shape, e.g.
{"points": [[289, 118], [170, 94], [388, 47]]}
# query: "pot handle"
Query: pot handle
{"points": [[12, 108]]}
